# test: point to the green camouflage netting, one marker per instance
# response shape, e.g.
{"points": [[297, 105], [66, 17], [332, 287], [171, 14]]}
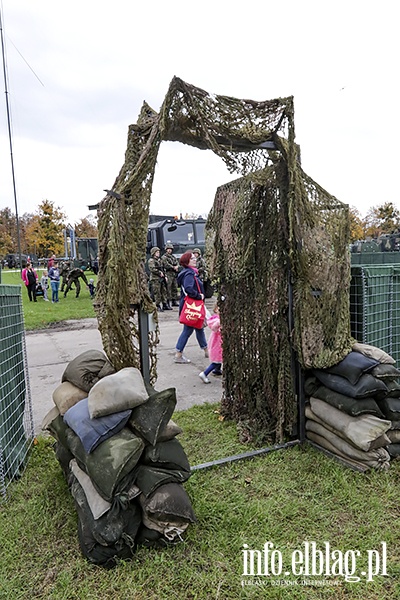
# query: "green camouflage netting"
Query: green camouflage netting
{"points": [[272, 225]]}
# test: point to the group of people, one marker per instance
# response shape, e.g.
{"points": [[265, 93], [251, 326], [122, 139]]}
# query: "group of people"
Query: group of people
{"points": [[163, 275], [189, 273], [56, 273], [191, 285]]}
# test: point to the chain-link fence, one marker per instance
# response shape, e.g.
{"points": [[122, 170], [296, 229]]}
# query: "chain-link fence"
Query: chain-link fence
{"points": [[375, 306], [16, 418]]}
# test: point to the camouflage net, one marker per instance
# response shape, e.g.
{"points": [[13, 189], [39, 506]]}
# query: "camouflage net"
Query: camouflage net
{"points": [[272, 225]]}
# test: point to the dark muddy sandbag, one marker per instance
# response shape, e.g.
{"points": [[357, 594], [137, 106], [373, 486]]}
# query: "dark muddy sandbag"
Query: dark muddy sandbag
{"points": [[390, 408], [351, 406], [386, 372], [366, 387], [87, 368], [353, 366], [150, 418]]}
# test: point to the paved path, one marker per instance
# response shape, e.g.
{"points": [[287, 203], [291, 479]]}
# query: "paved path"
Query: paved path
{"points": [[50, 350]]}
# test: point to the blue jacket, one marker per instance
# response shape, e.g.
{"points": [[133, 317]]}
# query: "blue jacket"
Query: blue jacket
{"points": [[187, 278]]}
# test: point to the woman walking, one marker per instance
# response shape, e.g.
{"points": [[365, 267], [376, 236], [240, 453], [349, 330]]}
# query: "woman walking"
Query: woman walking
{"points": [[191, 285]]}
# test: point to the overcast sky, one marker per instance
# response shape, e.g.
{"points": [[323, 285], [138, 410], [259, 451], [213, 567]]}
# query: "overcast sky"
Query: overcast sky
{"points": [[79, 71]]}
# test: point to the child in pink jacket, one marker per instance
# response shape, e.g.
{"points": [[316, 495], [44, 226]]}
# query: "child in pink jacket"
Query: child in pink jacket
{"points": [[214, 346]]}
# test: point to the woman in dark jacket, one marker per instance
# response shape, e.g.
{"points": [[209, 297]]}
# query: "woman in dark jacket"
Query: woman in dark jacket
{"points": [[190, 284]]}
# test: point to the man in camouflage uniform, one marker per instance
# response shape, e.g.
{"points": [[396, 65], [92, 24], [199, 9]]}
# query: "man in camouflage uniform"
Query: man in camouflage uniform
{"points": [[171, 268], [64, 269], [158, 280], [73, 277], [200, 264]]}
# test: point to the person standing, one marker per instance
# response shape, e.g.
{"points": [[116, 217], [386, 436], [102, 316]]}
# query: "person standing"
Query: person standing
{"points": [[54, 276], [171, 268], [92, 288], [30, 279], [214, 346], [65, 268], [51, 261], [192, 286], [73, 277], [201, 265], [45, 284], [158, 280]]}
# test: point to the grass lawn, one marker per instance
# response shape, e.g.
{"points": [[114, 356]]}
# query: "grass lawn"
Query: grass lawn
{"points": [[286, 497], [41, 314]]}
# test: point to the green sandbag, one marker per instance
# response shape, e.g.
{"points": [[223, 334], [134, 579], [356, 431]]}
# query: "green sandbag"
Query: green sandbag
{"points": [[110, 462], [150, 478], [166, 455], [150, 418]]}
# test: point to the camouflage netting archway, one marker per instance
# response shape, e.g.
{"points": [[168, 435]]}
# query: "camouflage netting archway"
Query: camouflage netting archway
{"points": [[272, 223]]}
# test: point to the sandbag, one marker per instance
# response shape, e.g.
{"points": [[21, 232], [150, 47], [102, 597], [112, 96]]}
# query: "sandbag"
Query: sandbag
{"points": [[149, 419], [93, 432], [117, 392], [360, 431], [394, 436], [377, 459], [379, 442], [351, 406], [353, 366], [111, 462], [98, 506], [366, 387], [373, 352], [168, 432], [49, 417], [324, 443], [390, 408], [386, 372], [167, 455], [393, 388], [150, 478], [87, 368], [120, 527], [394, 450], [67, 395], [168, 510]]}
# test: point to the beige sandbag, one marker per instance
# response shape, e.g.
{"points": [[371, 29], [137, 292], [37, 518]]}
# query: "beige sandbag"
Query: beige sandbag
{"points": [[321, 441], [67, 395], [118, 392], [49, 418], [379, 442], [96, 503], [361, 430], [374, 352], [376, 459], [170, 431]]}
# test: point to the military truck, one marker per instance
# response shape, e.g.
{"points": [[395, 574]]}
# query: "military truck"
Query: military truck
{"points": [[183, 234]]}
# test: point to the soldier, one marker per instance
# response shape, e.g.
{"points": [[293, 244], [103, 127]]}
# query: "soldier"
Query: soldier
{"points": [[200, 264], [158, 280], [171, 268], [64, 270], [73, 277]]}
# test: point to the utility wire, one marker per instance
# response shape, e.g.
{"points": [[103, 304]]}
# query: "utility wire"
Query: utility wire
{"points": [[10, 136]]}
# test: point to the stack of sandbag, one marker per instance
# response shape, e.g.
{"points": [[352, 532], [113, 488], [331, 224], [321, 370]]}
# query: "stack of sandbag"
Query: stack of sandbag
{"points": [[354, 407], [117, 446]]}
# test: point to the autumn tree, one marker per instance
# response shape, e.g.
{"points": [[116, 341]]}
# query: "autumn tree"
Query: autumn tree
{"points": [[8, 232], [356, 224], [384, 218], [86, 227], [46, 229]]}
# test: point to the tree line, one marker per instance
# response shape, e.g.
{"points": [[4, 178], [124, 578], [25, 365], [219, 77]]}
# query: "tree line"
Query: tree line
{"points": [[381, 219], [41, 233]]}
